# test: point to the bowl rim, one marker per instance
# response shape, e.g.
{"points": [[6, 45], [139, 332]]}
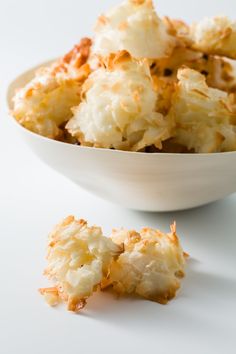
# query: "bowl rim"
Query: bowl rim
{"points": [[9, 97]]}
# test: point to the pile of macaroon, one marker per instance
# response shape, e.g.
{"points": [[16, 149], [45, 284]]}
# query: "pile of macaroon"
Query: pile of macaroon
{"points": [[143, 83]]}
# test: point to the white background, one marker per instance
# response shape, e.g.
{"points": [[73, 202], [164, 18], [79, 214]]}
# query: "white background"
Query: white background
{"points": [[33, 198]]}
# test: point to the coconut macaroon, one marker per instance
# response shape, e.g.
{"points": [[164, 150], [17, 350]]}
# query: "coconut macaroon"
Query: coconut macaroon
{"points": [[215, 36], [45, 103], [204, 118], [152, 264], [218, 71], [78, 257], [118, 107], [133, 26]]}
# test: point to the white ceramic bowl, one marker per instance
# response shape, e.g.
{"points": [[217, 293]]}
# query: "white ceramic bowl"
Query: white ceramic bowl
{"points": [[150, 182]]}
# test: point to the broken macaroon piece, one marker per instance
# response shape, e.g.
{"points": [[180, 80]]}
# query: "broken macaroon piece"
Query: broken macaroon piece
{"points": [[151, 266], [78, 258]]}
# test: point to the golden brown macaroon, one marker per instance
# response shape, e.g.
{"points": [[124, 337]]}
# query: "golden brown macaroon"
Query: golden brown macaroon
{"points": [[215, 35], [118, 109], [205, 120], [134, 26], [219, 72], [45, 103], [152, 264], [78, 258]]}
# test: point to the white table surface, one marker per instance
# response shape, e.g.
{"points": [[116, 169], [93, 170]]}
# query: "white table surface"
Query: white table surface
{"points": [[202, 319]]}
